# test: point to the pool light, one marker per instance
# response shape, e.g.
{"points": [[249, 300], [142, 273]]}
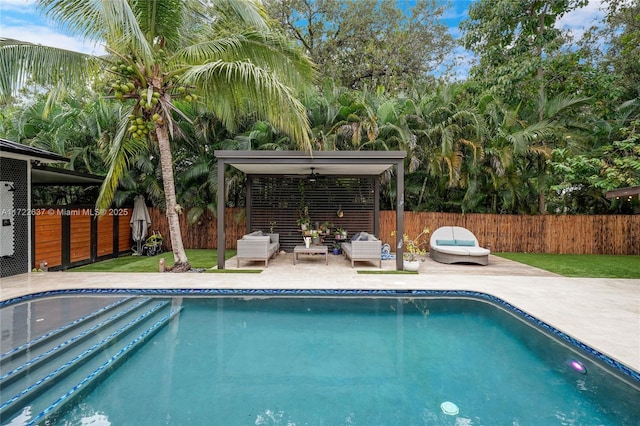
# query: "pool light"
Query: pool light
{"points": [[449, 408], [578, 366]]}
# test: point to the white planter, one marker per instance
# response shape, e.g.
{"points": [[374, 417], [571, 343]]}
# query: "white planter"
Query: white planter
{"points": [[307, 241], [411, 265]]}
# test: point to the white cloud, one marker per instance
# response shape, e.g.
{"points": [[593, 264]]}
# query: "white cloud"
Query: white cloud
{"points": [[19, 20], [463, 61], [17, 5], [48, 37], [578, 21]]}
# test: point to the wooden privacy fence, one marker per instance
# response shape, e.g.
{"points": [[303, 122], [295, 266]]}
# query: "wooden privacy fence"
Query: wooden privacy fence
{"points": [[602, 234], [75, 235]]}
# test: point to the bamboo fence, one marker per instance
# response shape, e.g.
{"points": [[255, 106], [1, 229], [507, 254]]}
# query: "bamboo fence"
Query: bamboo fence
{"points": [[575, 234]]}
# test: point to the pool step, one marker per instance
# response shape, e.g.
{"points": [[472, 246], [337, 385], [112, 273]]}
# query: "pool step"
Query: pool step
{"points": [[38, 382], [28, 356], [44, 339], [87, 384]]}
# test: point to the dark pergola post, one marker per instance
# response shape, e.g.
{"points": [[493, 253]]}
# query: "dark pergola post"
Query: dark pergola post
{"points": [[222, 233], [399, 213]]}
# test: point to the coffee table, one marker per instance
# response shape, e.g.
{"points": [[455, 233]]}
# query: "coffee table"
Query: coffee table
{"points": [[298, 250]]}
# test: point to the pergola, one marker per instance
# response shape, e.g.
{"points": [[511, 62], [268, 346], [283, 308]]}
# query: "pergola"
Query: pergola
{"points": [[632, 191], [303, 163]]}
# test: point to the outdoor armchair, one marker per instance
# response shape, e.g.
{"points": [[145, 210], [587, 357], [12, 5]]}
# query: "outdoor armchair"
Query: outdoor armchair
{"points": [[363, 247], [257, 246]]}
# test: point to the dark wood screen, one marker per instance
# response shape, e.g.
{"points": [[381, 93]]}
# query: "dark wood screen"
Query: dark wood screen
{"points": [[279, 199]]}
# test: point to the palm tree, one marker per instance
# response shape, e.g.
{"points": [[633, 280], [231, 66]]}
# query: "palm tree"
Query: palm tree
{"points": [[217, 54]]}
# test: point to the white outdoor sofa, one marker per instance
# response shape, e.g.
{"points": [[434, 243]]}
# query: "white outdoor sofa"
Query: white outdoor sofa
{"points": [[454, 244], [363, 247], [257, 246]]}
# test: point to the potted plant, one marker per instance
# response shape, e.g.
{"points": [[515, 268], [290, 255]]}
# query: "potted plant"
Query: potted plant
{"points": [[336, 248], [326, 227], [414, 251], [340, 234], [304, 220]]}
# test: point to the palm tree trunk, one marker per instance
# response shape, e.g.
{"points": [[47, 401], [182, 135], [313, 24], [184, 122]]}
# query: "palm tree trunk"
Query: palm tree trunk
{"points": [[166, 164]]}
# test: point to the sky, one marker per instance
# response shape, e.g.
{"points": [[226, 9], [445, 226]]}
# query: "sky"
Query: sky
{"points": [[20, 20]]}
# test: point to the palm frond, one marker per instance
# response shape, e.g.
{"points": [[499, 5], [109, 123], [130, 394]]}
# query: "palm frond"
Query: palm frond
{"points": [[560, 104], [161, 20], [122, 150], [21, 61], [266, 50], [234, 87], [123, 29], [246, 12]]}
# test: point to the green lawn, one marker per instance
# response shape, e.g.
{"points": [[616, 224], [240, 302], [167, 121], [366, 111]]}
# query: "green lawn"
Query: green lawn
{"points": [[198, 258], [581, 265]]}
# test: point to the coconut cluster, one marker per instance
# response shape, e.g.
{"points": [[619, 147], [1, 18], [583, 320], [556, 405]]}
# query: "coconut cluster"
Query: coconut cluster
{"points": [[127, 83]]}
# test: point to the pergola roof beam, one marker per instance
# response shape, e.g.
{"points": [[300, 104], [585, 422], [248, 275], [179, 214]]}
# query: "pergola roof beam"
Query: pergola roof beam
{"points": [[624, 192]]}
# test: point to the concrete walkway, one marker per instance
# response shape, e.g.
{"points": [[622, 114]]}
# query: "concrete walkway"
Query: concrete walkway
{"points": [[603, 313]]}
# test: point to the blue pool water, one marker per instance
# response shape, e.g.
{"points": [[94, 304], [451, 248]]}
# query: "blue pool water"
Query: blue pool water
{"points": [[342, 361]]}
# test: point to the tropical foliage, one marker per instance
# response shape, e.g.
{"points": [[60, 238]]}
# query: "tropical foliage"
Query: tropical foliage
{"points": [[219, 56]]}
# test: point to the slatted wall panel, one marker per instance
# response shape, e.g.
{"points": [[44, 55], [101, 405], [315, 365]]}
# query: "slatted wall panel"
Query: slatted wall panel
{"points": [[80, 236], [105, 235], [48, 239], [124, 232], [279, 200]]}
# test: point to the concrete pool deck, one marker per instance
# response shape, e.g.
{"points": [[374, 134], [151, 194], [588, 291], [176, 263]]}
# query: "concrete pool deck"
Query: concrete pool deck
{"points": [[602, 313]]}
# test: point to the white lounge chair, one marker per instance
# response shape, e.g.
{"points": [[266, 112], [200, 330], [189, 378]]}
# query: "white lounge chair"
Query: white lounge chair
{"points": [[454, 244]]}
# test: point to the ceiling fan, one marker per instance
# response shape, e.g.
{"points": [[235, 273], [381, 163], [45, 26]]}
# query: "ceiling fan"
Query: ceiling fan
{"points": [[313, 175]]}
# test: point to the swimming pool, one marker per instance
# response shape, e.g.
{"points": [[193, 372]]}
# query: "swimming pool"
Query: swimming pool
{"points": [[305, 357]]}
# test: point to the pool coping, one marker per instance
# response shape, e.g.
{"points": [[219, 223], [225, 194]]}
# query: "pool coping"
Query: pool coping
{"points": [[576, 344]]}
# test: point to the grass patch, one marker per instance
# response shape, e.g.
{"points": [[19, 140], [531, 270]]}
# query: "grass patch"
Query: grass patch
{"points": [[198, 258], [387, 272], [581, 265]]}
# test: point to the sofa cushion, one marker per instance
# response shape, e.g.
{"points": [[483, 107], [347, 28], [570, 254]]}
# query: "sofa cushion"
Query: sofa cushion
{"points": [[463, 251], [465, 243], [360, 236], [478, 251], [446, 242], [457, 250], [257, 237]]}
